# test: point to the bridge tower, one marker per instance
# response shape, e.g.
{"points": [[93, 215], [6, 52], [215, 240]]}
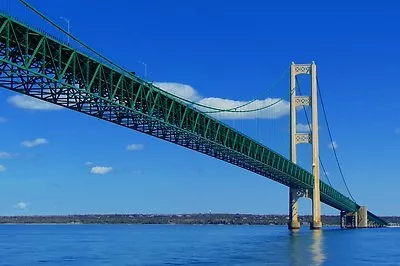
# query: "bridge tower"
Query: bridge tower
{"points": [[311, 138]]}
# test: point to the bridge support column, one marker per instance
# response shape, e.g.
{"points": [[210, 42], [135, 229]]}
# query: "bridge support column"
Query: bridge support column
{"points": [[316, 201], [310, 138], [342, 219], [355, 219], [293, 222], [363, 217]]}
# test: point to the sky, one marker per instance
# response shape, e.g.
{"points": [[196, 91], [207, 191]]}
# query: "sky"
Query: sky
{"points": [[57, 161]]}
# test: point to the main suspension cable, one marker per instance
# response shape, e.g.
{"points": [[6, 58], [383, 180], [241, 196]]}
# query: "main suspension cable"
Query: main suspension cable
{"points": [[331, 139], [234, 109]]}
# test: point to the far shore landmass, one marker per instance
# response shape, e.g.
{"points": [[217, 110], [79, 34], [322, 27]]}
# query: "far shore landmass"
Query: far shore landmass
{"points": [[195, 219]]}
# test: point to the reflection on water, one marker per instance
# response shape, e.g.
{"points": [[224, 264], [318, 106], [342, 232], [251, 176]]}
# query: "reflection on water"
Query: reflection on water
{"points": [[295, 251], [314, 242], [316, 247]]}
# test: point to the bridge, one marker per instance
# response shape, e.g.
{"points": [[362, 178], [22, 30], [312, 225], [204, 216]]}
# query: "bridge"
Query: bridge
{"points": [[38, 65]]}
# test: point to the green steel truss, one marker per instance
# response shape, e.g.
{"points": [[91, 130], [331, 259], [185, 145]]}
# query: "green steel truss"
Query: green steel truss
{"points": [[35, 64]]}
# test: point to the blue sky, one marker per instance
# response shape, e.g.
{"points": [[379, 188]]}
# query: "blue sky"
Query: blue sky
{"points": [[51, 159]]}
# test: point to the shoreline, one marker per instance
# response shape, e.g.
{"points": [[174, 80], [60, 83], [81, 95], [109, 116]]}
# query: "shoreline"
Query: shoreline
{"points": [[173, 219]]}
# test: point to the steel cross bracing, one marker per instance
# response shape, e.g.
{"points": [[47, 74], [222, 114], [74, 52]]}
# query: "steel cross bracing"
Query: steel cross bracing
{"points": [[35, 64]]}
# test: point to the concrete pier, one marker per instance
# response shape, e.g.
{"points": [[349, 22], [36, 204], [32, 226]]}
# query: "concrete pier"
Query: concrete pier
{"points": [[357, 219], [350, 220], [363, 217], [293, 222], [342, 219]]}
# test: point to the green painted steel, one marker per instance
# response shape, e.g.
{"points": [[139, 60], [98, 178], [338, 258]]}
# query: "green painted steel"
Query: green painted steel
{"points": [[38, 65]]}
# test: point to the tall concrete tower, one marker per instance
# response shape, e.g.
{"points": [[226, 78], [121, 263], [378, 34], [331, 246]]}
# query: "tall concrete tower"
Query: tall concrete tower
{"points": [[311, 138]]}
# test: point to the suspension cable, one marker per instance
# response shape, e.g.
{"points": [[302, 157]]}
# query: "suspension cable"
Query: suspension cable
{"points": [[246, 111], [309, 126], [331, 139], [234, 109], [128, 72]]}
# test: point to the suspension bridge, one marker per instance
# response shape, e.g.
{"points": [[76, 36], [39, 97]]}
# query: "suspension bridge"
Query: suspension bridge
{"points": [[36, 64]]}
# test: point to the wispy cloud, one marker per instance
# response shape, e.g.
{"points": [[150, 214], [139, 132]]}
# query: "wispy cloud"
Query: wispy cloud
{"points": [[6, 155], [29, 103], [277, 110], [3, 119], [303, 127], [101, 170], [135, 147], [2, 168], [88, 163], [36, 142], [333, 145], [397, 131], [21, 205]]}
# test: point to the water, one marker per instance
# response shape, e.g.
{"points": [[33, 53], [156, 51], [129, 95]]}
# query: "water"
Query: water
{"points": [[33, 245]]}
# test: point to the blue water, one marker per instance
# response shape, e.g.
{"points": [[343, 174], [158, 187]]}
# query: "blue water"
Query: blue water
{"points": [[33, 245]]}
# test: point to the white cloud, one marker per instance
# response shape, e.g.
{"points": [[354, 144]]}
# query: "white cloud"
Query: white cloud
{"points": [[88, 163], [397, 131], [135, 147], [333, 145], [182, 90], [26, 102], [101, 170], [303, 127], [3, 119], [185, 91], [36, 142], [21, 205], [5, 155], [2, 168]]}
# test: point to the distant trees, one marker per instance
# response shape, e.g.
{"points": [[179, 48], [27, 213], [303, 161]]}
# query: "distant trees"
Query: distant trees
{"points": [[223, 219]]}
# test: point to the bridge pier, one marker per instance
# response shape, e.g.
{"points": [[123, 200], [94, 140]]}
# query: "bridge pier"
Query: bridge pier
{"points": [[350, 220], [293, 222], [342, 219], [357, 219], [363, 217]]}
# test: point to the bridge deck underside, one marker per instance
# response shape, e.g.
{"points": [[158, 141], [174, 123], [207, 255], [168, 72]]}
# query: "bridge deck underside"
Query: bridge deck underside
{"points": [[35, 64]]}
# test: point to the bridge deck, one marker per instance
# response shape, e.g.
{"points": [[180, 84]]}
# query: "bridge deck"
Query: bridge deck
{"points": [[38, 65]]}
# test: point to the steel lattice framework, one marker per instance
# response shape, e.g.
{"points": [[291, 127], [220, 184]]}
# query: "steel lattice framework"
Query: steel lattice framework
{"points": [[36, 64]]}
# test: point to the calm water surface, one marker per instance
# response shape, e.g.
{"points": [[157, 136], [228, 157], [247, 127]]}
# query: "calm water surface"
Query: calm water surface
{"points": [[33, 245]]}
